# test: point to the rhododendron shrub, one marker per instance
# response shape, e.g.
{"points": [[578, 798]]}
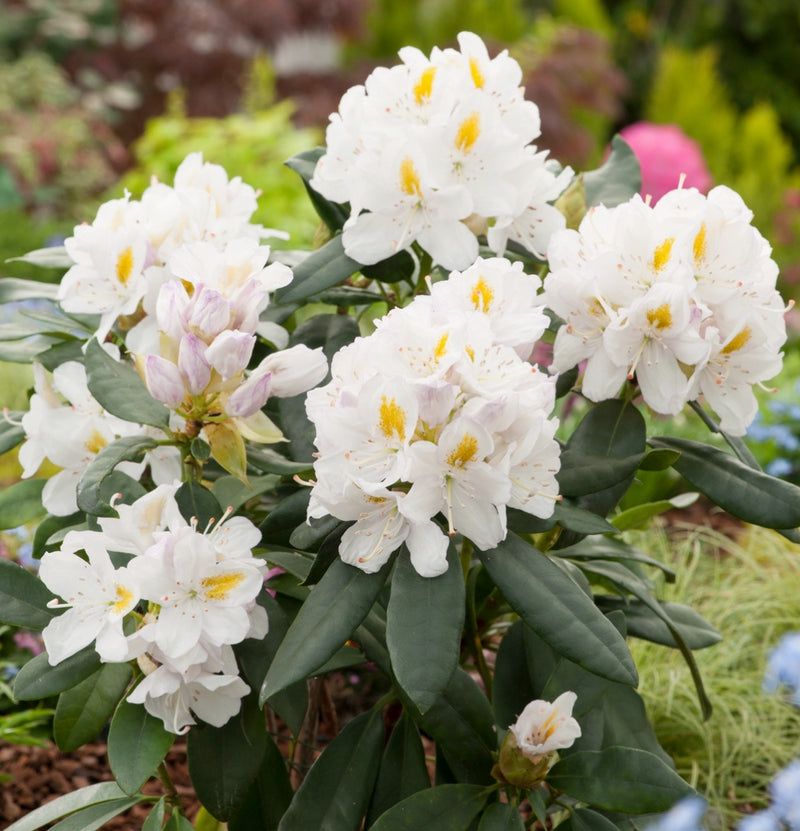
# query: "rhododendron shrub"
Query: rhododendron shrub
{"points": [[246, 474]]}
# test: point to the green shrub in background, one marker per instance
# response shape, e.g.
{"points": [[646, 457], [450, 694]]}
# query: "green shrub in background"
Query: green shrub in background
{"points": [[252, 144]]}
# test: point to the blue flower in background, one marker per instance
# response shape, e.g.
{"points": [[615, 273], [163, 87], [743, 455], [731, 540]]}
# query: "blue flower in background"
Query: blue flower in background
{"points": [[779, 467], [762, 821], [783, 669], [686, 815], [785, 792]]}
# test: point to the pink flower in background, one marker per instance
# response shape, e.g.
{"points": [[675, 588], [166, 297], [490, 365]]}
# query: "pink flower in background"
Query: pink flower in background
{"points": [[666, 153]]}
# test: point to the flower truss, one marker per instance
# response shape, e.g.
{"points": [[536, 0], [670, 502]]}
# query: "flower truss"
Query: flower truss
{"points": [[438, 411], [680, 296], [190, 595], [436, 151]]}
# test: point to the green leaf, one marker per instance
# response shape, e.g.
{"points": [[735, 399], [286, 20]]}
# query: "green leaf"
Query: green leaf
{"points": [[327, 266], [424, 622], [461, 724], [21, 503], [137, 744], [619, 779], [270, 461], [659, 459], [126, 449], [233, 493], [335, 793], [11, 434], [500, 816], [24, 351], [13, 288], [53, 257], [444, 808], [611, 548], [310, 535], [584, 819], [619, 178], [329, 331], [67, 804], [555, 607], [287, 515], [512, 681], [60, 353], [224, 761], [155, 819], [37, 679], [639, 515], [582, 521], [583, 472], [120, 390], [403, 770], [749, 494], [83, 711], [331, 213], [228, 449], [643, 622], [399, 266], [334, 608], [96, 816], [23, 597], [268, 797], [50, 526], [199, 503]]}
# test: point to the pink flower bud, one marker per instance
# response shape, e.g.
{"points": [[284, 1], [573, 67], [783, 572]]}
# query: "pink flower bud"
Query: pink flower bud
{"points": [[250, 397], [295, 370], [192, 363], [164, 381], [209, 313], [170, 309], [230, 352]]}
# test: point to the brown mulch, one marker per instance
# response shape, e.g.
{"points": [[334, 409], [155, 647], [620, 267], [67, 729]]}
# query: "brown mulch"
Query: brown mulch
{"points": [[40, 774]]}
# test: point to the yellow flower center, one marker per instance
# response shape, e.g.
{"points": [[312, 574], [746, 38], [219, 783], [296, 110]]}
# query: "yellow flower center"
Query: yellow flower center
{"points": [[661, 317], [699, 244], [392, 419], [409, 178], [125, 265], [441, 347], [475, 71], [468, 132], [96, 442], [482, 295], [661, 254], [464, 453], [124, 598], [424, 87], [219, 586], [738, 341]]}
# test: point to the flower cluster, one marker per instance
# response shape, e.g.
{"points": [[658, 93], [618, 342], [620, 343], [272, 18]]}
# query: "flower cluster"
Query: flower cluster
{"points": [[438, 411], [192, 596], [65, 424], [680, 296], [436, 151]]}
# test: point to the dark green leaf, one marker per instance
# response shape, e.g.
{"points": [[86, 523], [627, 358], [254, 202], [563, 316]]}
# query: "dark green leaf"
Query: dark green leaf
{"points": [[659, 460], [137, 744], [555, 607], [610, 548], [444, 808], [268, 797], [741, 490], [308, 536], [329, 331], [619, 779], [403, 770], [37, 679], [11, 433], [461, 724], [347, 296], [566, 381], [327, 266], [155, 819], [638, 515], [60, 353], [270, 461], [328, 552], [96, 816], [512, 681], [583, 472], [500, 816], [67, 804], [83, 711], [618, 179], [334, 608], [335, 793], [50, 526], [424, 622], [577, 519], [21, 503], [644, 623], [231, 492], [198, 503], [331, 213], [119, 389], [23, 597], [224, 761], [399, 266], [584, 819], [281, 521], [126, 449]]}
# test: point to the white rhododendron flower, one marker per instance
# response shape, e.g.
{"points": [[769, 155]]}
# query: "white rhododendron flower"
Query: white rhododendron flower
{"points": [[680, 297], [190, 595], [545, 726], [67, 426], [437, 413], [437, 150]]}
